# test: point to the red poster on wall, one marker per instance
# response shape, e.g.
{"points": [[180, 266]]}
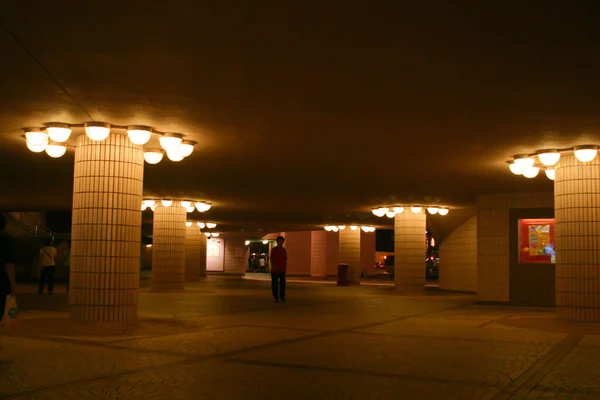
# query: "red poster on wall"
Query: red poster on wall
{"points": [[536, 241]]}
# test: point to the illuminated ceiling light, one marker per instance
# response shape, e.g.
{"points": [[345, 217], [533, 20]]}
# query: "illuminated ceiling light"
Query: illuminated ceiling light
{"points": [[524, 162], [335, 229], [585, 153], [432, 242], [353, 227], [433, 210], [150, 203], [201, 225], [548, 157], [202, 206], [153, 207], [36, 148], [207, 234], [56, 150], [190, 209], [174, 156], [186, 148], [531, 172], [398, 210], [139, 134], [170, 142], [153, 156], [148, 245], [211, 225], [328, 228], [35, 136], [144, 206], [515, 169], [166, 203], [390, 214], [215, 234], [58, 132], [416, 209], [341, 227], [247, 242], [380, 212], [442, 211], [265, 242], [188, 223], [185, 203], [551, 173], [364, 228], [97, 131]]}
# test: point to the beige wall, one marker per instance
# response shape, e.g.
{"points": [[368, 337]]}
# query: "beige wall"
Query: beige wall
{"points": [[367, 249], [324, 253], [458, 255], [235, 255], [493, 258], [298, 245]]}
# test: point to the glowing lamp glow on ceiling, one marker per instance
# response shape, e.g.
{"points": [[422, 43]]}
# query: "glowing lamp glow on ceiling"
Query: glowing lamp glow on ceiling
{"points": [[585, 153], [201, 225], [188, 223], [390, 214], [524, 162], [174, 156], [58, 132], [170, 142], [398, 210], [153, 156], [265, 242], [433, 210], [56, 150], [416, 209], [515, 168], [550, 173], [443, 211], [97, 131], [548, 157], [211, 225], [531, 172], [36, 137], [379, 212], [166, 203], [139, 134], [353, 227], [36, 148]]}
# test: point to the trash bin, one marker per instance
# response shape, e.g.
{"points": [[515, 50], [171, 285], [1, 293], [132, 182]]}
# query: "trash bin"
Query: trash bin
{"points": [[342, 278]]}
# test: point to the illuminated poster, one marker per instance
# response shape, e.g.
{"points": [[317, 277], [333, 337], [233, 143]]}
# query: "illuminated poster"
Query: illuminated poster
{"points": [[536, 241], [213, 248]]}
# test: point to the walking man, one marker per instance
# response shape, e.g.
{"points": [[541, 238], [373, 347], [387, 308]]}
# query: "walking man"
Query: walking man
{"points": [[278, 269], [7, 268]]}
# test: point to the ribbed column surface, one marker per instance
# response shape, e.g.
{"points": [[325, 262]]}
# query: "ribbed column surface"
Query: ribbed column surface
{"points": [[577, 213], [410, 249], [168, 247], [193, 253], [350, 253], [202, 250], [318, 253], [106, 230]]}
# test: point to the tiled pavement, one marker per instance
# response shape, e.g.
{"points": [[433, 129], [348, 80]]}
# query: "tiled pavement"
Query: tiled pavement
{"points": [[224, 338]]}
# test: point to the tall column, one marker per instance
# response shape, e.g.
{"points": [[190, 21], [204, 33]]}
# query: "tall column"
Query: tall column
{"points": [[318, 253], [367, 249], [350, 253], [409, 249], [193, 252], [202, 255], [106, 230], [577, 217], [168, 249]]}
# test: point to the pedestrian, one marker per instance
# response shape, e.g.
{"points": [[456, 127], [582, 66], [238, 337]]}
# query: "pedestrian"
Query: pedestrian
{"points": [[278, 270], [47, 264], [8, 286]]}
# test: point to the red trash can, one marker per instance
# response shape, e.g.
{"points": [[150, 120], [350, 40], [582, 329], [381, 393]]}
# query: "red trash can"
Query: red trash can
{"points": [[342, 278]]}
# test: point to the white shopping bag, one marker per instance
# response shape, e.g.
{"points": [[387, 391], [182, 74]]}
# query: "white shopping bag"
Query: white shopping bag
{"points": [[11, 314]]}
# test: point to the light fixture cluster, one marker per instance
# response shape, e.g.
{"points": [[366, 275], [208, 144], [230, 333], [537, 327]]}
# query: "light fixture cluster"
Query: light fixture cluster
{"points": [[391, 212], [53, 136], [530, 165], [336, 228], [189, 205], [247, 242], [201, 224]]}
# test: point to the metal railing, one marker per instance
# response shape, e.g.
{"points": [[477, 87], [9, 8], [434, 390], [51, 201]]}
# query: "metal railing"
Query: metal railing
{"points": [[30, 223]]}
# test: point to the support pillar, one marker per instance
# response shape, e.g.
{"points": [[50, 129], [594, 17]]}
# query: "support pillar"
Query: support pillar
{"points": [[577, 217], [410, 248], [350, 253], [194, 240], [168, 249], [106, 230], [202, 255]]}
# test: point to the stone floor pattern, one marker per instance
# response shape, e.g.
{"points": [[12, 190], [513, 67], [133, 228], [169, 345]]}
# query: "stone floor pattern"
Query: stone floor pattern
{"points": [[225, 338]]}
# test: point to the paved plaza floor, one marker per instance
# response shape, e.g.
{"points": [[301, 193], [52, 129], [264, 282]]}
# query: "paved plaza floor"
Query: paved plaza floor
{"points": [[224, 338]]}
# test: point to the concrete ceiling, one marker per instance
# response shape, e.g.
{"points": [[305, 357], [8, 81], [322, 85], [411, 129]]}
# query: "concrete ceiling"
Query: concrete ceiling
{"points": [[305, 112]]}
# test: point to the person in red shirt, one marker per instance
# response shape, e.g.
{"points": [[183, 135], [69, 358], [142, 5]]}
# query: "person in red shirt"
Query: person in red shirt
{"points": [[278, 269]]}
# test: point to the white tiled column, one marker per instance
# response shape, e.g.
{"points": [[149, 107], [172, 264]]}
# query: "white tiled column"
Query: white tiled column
{"points": [[202, 255], [409, 249], [577, 208], [168, 249], [193, 253], [350, 253], [106, 230]]}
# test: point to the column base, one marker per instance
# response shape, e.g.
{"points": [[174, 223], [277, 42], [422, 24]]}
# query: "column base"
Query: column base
{"points": [[104, 314], [577, 314]]}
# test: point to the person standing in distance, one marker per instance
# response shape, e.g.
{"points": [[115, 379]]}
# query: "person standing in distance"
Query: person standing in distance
{"points": [[278, 269], [8, 285]]}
